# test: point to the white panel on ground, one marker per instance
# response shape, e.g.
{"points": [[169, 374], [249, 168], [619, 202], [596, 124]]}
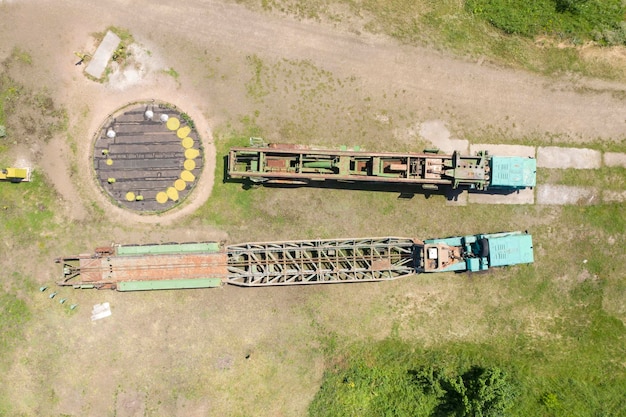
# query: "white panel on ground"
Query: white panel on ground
{"points": [[100, 311], [557, 157], [564, 194], [104, 52]]}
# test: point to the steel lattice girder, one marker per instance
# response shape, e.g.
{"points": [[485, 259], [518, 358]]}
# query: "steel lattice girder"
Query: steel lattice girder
{"points": [[320, 261]]}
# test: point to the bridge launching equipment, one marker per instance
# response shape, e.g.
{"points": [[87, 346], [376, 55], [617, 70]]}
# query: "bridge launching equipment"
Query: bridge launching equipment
{"points": [[212, 264], [296, 164]]}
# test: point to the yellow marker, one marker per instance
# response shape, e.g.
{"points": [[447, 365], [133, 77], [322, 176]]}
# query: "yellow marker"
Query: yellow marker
{"points": [[192, 153], [187, 143], [173, 123], [183, 132], [130, 196], [180, 185], [189, 164], [161, 197], [172, 193], [109, 161], [187, 176]]}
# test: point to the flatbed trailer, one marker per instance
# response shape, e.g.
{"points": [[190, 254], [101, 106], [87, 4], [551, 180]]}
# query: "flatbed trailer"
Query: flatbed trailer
{"points": [[298, 262], [297, 164]]}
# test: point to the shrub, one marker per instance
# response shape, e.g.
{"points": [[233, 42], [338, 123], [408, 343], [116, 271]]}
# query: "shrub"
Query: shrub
{"points": [[600, 20]]}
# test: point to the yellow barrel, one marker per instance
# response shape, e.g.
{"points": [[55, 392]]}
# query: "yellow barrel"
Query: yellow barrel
{"points": [[190, 164], [187, 176], [172, 193], [173, 123], [180, 185], [187, 143], [161, 197], [183, 132], [192, 153]]}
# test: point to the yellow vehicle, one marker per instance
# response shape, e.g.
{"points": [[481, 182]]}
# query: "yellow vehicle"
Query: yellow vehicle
{"points": [[15, 174]]}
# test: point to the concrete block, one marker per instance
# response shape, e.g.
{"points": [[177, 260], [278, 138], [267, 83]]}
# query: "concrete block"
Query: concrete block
{"points": [[504, 150], [558, 157], [609, 196], [550, 194], [615, 159], [526, 196]]}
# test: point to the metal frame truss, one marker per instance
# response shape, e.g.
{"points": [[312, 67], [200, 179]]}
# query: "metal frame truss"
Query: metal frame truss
{"points": [[320, 261]]}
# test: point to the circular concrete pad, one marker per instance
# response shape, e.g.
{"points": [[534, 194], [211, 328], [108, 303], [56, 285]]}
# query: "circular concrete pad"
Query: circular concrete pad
{"points": [[145, 158]]}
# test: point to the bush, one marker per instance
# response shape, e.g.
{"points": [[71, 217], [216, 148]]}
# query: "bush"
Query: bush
{"points": [[600, 20], [394, 380]]}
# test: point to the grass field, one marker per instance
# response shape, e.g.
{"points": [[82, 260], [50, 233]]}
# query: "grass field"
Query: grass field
{"points": [[556, 327]]}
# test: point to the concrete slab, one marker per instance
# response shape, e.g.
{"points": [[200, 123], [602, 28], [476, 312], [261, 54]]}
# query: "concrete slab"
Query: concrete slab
{"points": [[615, 159], [436, 132], [549, 194], [613, 196], [558, 157], [526, 196], [104, 52], [504, 150]]}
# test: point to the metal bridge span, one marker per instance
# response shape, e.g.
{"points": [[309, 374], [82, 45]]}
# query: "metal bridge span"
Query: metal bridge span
{"points": [[210, 264]]}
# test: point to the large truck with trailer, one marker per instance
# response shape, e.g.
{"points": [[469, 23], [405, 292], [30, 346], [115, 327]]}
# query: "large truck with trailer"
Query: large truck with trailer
{"points": [[302, 165], [280, 263]]}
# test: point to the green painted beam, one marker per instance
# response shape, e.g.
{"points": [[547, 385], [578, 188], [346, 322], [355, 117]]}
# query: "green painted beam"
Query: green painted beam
{"points": [[174, 284], [172, 248]]}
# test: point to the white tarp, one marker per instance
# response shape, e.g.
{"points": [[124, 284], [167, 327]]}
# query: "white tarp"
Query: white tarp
{"points": [[100, 311]]}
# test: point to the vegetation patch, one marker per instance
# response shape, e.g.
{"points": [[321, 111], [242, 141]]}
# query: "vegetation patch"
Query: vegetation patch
{"points": [[28, 115], [396, 378], [574, 20], [14, 314], [537, 35], [393, 379]]}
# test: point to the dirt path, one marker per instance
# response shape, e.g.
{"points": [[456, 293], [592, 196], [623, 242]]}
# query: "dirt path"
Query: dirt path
{"points": [[480, 94]]}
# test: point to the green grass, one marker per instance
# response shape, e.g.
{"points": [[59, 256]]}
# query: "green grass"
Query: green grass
{"points": [[556, 328], [605, 178], [230, 204], [576, 371], [576, 20], [371, 376], [172, 73], [510, 32], [28, 212], [533, 322], [14, 314], [257, 87]]}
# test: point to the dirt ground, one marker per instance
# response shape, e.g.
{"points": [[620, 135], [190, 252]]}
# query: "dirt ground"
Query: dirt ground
{"points": [[141, 362]]}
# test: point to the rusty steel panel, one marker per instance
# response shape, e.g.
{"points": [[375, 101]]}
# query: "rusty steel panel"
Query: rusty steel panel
{"points": [[153, 267]]}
